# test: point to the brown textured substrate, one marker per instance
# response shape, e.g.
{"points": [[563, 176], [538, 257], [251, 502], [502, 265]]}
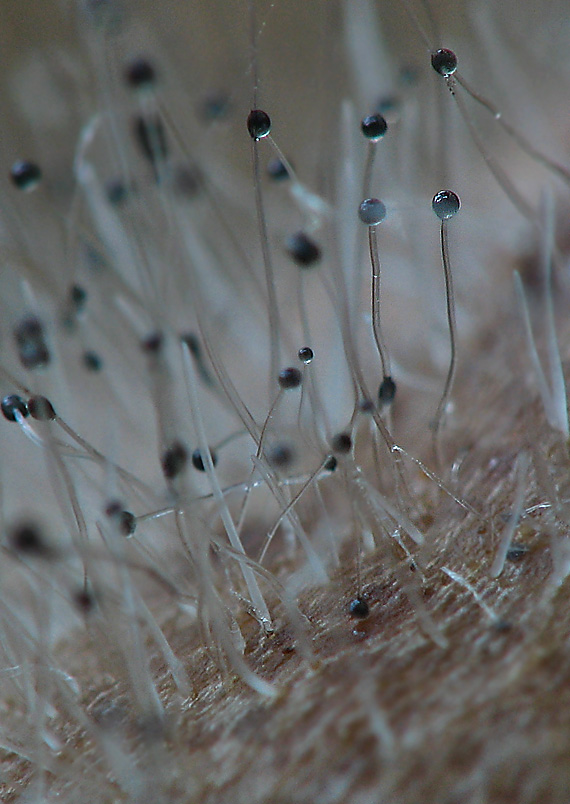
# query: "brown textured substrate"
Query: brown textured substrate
{"points": [[384, 714]]}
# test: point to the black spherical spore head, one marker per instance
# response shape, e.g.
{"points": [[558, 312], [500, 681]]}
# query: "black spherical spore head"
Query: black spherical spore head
{"points": [[127, 523], [113, 508], [305, 354], [30, 341], [174, 460], [152, 344], [445, 204], [330, 464], [78, 297], [444, 61], [289, 378], [280, 456], [374, 126], [303, 250], [13, 404], [25, 175], [27, 539], [342, 443], [258, 124], [387, 391], [198, 461], [140, 73], [277, 170], [371, 211], [516, 552], [117, 192], [366, 405], [84, 601], [41, 409], [359, 608], [125, 520], [92, 361]]}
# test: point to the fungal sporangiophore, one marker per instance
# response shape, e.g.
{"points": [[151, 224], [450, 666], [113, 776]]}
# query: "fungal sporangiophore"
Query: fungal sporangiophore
{"points": [[284, 466]]}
